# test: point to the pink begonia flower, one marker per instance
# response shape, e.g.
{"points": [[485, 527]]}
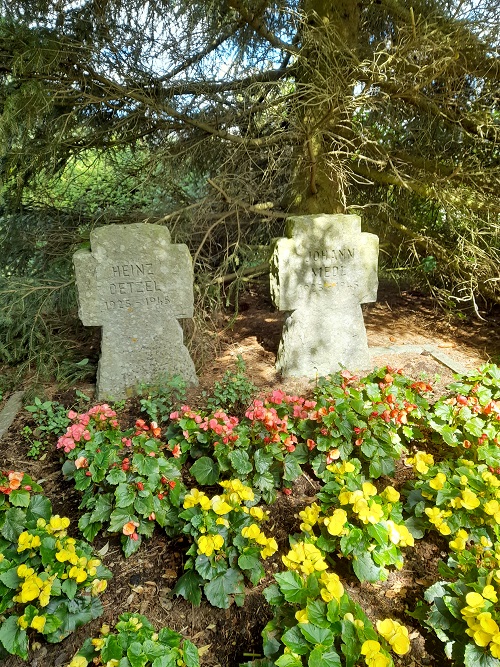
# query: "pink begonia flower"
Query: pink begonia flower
{"points": [[72, 414], [86, 435], [84, 419], [15, 479], [129, 528], [174, 415], [81, 462]]}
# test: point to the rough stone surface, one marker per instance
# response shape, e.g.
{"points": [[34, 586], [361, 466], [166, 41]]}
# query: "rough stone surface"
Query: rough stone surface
{"points": [[136, 285], [9, 411], [321, 274]]}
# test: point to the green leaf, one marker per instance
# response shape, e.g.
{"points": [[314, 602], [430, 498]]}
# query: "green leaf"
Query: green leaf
{"points": [[316, 613], [205, 471], [89, 529], [477, 657], [13, 523], [102, 509], [273, 595], [324, 657], [136, 656], [219, 591], [69, 587], [379, 533], [116, 476], [366, 570], [20, 498], [146, 465], [240, 462], [39, 507], [292, 587], [291, 469], [350, 643], [189, 586], [13, 638], [262, 460], [118, 519], [129, 545], [112, 649], [73, 614], [295, 641], [144, 505], [190, 656], [125, 495], [288, 660], [316, 635], [10, 578], [251, 564]]}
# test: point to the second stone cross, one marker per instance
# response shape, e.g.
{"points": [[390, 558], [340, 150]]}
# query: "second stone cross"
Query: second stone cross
{"points": [[321, 274]]}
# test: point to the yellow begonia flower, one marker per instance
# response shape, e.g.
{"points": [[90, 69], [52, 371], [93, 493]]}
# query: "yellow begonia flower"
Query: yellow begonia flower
{"points": [[336, 522], [492, 507], [485, 541], [98, 586], [44, 596], [304, 557], [332, 588], [79, 661], [269, 549], [257, 513], [460, 541], [444, 528], [236, 486], [77, 573], [369, 489], [207, 544], [369, 647], [474, 600], [24, 571], [400, 535], [344, 497], [489, 593], [469, 500], [309, 516], [222, 522], [396, 634], [301, 616], [390, 494], [38, 623], [98, 643], [67, 554], [220, 506], [30, 589], [196, 497], [372, 513], [438, 481], [251, 532], [27, 541], [22, 622], [57, 523], [421, 461]]}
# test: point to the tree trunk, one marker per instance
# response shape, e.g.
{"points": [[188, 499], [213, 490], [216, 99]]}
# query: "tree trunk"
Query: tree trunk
{"points": [[329, 36]]}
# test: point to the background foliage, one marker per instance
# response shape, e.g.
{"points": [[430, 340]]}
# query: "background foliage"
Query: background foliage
{"points": [[220, 119]]}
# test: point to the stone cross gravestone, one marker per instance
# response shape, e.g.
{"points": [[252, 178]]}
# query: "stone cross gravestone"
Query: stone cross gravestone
{"points": [[322, 273], [136, 285]]}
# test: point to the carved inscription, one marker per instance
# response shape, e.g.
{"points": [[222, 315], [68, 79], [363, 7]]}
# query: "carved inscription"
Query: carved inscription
{"points": [[329, 269], [133, 286]]}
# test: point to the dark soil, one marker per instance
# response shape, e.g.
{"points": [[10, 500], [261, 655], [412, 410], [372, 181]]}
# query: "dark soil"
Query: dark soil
{"points": [[144, 582]]}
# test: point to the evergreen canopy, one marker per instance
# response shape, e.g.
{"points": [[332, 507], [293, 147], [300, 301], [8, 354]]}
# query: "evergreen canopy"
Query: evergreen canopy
{"points": [[244, 110]]}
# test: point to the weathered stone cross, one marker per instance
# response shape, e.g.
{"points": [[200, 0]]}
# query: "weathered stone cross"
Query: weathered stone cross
{"points": [[136, 285], [322, 273]]}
